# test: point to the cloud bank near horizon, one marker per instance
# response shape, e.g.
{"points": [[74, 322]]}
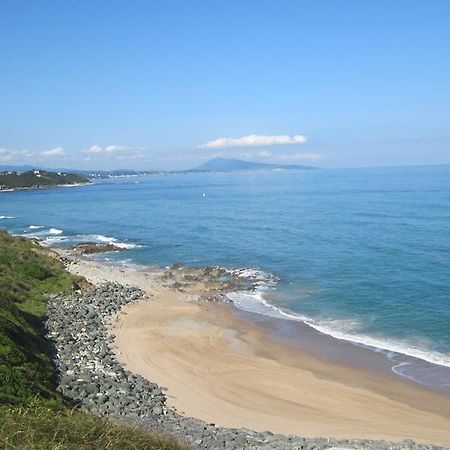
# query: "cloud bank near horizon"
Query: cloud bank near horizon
{"points": [[117, 151], [58, 151], [255, 140], [114, 156], [8, 154], [108, 149], [93, 153]]}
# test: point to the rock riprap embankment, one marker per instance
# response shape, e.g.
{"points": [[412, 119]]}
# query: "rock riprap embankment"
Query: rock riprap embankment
{"points": [[89, 372], [91, 376]]}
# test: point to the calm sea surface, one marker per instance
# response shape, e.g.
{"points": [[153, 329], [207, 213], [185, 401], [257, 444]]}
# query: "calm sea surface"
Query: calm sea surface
{"points": [[361, 254]]}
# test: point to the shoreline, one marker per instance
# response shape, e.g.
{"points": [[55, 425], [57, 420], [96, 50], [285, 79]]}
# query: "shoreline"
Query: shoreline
{"points": [[302, 335], [409, 360], [399, 354], [232, 372], [37, 188], [389, 359]]}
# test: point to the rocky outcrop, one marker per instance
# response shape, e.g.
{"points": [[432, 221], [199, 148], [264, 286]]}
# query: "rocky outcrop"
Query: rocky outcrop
{"points": [[89, 248], [212, 284]]}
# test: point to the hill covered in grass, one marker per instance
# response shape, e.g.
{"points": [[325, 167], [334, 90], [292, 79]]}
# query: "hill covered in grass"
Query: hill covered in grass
{"points": [[32, 414], [38, 179]]}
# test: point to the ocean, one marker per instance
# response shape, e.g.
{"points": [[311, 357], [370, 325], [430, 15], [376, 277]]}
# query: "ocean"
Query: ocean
{"points": [[362, 255]]}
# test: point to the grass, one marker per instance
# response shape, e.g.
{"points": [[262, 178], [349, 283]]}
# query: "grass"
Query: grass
{"points": [[32, 414], [40, 428], [27, 275]]}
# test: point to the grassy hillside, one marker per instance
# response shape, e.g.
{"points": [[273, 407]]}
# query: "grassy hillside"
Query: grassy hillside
{"points": [[32, 414], [37, 178]]}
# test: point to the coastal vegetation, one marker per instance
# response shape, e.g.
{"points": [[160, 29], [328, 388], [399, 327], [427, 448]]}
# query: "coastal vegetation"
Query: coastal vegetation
{"points": [[32, 413], [38, 179]]}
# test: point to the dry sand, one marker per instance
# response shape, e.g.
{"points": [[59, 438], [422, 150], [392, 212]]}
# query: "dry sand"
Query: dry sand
{"points": [[222, 369]]}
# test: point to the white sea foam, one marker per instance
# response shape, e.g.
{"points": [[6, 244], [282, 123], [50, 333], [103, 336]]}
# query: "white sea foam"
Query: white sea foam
{"points": [[258, 277], [53, 237], [49, 241], [398, 370], [106, 239], [339, 329], [129, 263], [6, 217], [114, 241], [385, 344], [125, 245], [74, 184], [35, 227]]}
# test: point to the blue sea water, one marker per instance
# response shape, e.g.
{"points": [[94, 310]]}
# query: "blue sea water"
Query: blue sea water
{"points": [[360, 254]]}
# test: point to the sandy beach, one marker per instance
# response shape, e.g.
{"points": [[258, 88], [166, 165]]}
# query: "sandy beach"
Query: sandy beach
{"points": [[226, 370]]}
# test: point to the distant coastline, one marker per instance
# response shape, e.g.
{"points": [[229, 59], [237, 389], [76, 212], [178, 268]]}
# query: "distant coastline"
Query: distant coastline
{"points": [[36, 188], [38, 179], [214, 165]]}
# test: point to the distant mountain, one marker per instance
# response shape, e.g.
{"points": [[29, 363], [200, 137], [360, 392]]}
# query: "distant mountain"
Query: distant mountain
{"points": [[228, 165], [37, 178]]}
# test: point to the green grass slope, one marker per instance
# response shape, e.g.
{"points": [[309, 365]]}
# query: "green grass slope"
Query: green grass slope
{"points": [[37, 178], [32, 414]]}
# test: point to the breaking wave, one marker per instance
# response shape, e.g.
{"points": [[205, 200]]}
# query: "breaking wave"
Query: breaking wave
{"points": [[343, 329]]}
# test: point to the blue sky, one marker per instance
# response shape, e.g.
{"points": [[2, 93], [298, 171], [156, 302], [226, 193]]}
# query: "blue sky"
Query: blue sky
{"points": [[168, 84]]}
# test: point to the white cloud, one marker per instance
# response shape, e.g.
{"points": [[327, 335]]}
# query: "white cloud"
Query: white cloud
{"points": [[255, 140], [7, 154], [107, 149], [58, 151], [94, 149], [115, 148], [121, 152], [134, 154]]}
